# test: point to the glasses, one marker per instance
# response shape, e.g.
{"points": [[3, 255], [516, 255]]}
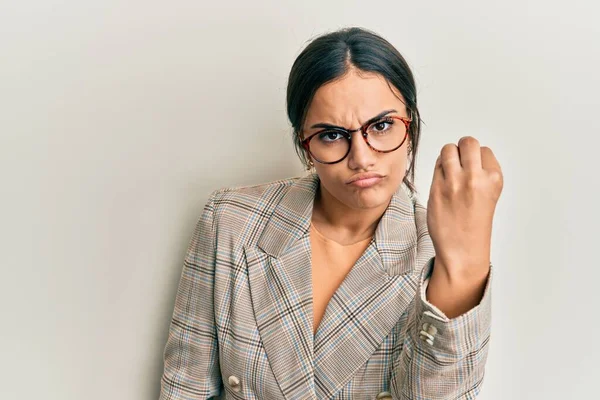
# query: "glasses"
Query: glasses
{"points": [[332, 145]]}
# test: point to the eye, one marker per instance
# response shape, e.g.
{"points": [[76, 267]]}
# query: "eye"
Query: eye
{"points": [[330, 136], [381, 126]]}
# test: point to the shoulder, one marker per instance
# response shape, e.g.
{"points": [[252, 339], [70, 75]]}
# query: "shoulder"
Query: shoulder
{"points": [[261, 195], [240, 212]]}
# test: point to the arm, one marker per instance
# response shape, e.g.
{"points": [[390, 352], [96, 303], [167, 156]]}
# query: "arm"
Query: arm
{"points": [[442, 358], [191, 355], [454, 295]]}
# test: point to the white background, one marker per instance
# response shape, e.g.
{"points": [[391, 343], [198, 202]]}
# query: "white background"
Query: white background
{"points": [[117, 119]]}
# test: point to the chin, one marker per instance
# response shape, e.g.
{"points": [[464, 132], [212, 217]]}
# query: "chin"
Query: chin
{"points": [[369, 198]]}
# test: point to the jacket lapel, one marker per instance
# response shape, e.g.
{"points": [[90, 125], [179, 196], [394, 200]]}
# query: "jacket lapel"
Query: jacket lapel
{"points": [[370, 300], [279, 271], [363, 310]]}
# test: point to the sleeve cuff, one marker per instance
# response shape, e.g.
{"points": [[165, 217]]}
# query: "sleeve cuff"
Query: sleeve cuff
{"points": [[451, 336]]}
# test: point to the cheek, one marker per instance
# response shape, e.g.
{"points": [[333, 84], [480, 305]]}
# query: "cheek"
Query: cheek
{"points": [[396, 173], [394, 165]]}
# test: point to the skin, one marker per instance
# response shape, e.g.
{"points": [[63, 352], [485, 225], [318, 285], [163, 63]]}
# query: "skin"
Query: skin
{"points": [[465, 188]]}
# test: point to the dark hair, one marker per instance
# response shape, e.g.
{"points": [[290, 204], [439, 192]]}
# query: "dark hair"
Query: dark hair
{"points": [[329, 57]]}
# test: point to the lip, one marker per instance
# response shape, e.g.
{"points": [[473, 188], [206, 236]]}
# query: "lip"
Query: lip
{"points": [[365, 180]]}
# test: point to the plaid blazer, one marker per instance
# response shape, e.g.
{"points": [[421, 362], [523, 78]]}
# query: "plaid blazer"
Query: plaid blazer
{"points": [[242, 323]]}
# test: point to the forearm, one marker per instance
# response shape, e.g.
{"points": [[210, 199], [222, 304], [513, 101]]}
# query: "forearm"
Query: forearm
{"points": [[455, 295]]}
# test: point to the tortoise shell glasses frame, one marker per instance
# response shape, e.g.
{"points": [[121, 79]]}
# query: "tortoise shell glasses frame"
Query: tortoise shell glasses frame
{"points": [[347, 134]]}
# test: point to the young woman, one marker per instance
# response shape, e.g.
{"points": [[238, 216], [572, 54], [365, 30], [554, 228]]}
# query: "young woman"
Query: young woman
{"points": [[341, 284]]}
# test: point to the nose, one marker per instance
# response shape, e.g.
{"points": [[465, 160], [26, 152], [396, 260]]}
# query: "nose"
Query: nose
{"points": [[361, 156]]}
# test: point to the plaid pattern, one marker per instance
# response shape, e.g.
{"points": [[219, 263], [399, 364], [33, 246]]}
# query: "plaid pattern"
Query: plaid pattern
{"points": [[244, 309]]}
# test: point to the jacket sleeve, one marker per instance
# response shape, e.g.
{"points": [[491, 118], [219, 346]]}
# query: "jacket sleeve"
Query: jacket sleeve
{"points": [[442, 358], [191, 355]]}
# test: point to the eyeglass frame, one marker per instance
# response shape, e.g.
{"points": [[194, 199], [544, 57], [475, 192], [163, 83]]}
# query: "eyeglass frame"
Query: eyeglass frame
{"points": [[347, 133]]}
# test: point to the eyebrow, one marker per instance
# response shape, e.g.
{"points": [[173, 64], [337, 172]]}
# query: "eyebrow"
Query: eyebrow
{"points": [[375, 118]]}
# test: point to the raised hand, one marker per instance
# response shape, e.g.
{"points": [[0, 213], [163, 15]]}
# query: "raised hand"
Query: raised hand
{"points": [[467, 183]]}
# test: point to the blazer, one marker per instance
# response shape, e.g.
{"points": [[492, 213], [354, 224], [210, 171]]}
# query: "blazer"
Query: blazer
{"points": [[242, 325]]}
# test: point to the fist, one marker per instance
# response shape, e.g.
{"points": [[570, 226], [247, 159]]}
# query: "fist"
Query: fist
{"points": [[467, 183]]}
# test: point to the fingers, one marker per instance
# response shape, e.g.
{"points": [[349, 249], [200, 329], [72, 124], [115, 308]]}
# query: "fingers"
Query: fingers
{"points": [[450, 159], [470, 153], [438, 171], [493, 169], [488, 160], [467, 166]]}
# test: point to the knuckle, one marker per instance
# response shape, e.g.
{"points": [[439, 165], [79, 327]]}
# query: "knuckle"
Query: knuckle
{"points": [[496, 178], [472, 183], [453, 187]]}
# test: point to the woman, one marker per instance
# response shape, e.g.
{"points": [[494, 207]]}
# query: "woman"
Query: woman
{"points": [[340, 284]]}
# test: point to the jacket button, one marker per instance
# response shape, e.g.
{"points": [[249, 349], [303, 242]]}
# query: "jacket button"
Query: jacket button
{"points": [[428, 333], [384, 396], [235, 384]]}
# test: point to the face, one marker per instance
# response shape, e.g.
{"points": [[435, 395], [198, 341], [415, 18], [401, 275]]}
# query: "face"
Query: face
{"points": [[349, 103]]}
